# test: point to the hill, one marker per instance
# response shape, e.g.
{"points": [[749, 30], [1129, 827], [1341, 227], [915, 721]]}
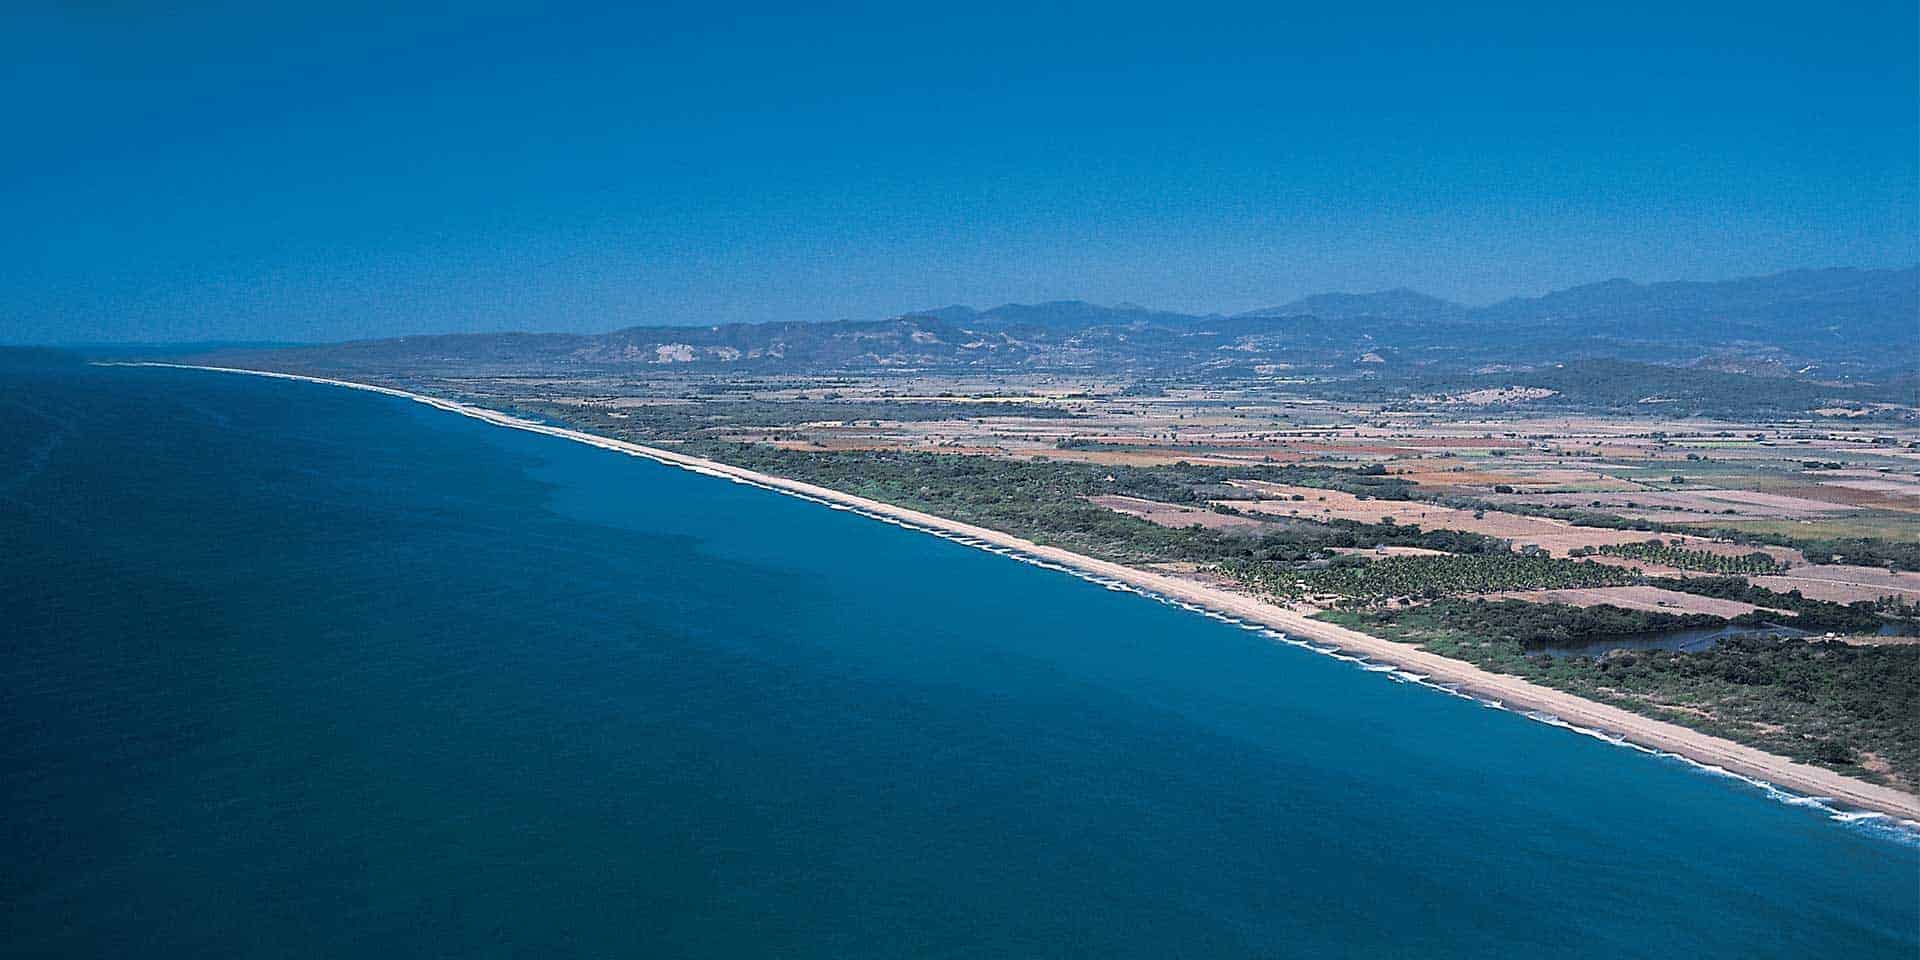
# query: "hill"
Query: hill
{"points": [[1828, 324]]}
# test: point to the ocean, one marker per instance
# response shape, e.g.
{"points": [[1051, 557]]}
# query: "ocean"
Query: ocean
{"points": [[294, 670]]}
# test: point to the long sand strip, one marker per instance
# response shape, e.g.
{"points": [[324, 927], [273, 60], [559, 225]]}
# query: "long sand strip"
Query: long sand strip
{"points": [[1704, 749]]}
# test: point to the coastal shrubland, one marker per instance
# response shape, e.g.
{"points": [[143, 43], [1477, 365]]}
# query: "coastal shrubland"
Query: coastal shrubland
{"points": [[1047, 501], [1851, 708], [1857, 551], [1525, 623], [1809, 614]]}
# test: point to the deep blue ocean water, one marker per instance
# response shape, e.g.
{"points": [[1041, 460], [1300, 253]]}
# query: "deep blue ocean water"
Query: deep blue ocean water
{"points": [[291, 670]]}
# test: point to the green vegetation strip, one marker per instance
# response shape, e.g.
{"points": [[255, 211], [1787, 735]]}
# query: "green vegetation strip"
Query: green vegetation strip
{"points": [[1680, 558], [1390, 578], [1852, 708]]}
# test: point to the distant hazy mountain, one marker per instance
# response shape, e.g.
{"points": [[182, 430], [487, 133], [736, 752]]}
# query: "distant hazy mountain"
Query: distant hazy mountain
{"points": [[1400, 304], [1807, 322], [1056, 314], [1801, 308]]}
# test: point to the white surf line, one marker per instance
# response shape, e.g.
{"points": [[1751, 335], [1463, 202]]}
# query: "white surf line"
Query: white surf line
{"points": [[1882, 810]]}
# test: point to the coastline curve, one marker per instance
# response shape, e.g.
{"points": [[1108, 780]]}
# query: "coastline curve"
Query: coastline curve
{"points": [[1846, 799]]}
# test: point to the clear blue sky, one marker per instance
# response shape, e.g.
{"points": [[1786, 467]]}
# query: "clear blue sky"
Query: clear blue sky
{"points": [[343, 172]]}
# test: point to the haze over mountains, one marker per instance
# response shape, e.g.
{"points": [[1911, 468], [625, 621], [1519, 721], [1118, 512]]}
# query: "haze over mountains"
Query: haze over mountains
{"points": [[1826, 323]]}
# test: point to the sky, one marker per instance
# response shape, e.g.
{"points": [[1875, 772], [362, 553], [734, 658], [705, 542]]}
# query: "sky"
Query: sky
{"points": [[337, 171]]}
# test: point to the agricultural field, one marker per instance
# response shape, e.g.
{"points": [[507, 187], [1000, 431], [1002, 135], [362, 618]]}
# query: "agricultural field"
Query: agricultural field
{"points": [[1639, 597], [1483, 463], [1840, 583], [1591, 484], [1281, 500]]}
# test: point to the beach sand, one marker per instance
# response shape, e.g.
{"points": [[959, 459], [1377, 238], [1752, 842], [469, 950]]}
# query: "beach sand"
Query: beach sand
{"points": [[1513, 692]]}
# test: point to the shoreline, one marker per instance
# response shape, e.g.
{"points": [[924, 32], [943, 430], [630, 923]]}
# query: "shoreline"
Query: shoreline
{"points": [[1715, 754]]}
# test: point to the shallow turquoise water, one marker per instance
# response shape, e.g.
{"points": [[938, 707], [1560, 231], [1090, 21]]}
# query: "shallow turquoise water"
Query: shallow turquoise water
{"points": [[298, 671]]}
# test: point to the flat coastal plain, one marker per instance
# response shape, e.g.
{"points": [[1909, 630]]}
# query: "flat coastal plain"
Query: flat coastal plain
{"points": [[1701, 748]]}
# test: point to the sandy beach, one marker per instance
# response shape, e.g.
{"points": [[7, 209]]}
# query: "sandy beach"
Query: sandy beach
{"points": [[1510, 691]]}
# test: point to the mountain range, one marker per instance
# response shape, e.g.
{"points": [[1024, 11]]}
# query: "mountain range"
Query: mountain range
{"points": [[1833, 322]]}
